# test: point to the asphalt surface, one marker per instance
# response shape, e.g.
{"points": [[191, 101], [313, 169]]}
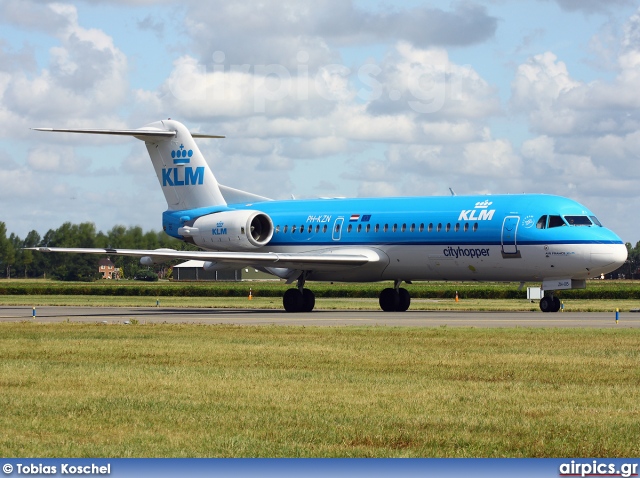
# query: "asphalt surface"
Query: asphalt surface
{"points": [[321, 318]]}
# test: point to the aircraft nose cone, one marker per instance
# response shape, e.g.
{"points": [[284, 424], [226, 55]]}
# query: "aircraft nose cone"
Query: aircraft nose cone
{"points": [[607, 257]]}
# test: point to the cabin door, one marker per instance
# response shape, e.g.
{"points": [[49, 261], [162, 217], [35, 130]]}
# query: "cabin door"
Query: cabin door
{"points": [[509, 231]]}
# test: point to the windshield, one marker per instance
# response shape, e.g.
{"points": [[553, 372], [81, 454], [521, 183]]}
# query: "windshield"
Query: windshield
{"points": [[578, 220], [595, 221]]}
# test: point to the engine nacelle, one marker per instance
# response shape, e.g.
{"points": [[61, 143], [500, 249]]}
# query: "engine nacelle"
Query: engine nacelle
{"points": [[230, 230]]}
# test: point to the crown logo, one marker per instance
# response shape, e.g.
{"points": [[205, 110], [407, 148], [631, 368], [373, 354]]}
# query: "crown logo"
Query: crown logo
{"points": [[484, 204], [220, 224], [181, 156]]}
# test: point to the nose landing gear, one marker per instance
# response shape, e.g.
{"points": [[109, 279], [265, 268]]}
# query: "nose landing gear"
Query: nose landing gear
{"points": [[549, 303]]}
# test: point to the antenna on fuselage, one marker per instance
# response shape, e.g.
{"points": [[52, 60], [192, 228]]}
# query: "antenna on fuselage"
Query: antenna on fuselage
{"points": [[453, 193]]}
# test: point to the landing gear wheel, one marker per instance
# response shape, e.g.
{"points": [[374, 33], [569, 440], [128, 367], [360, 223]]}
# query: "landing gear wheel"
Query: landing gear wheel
{"points": [[546, 304], [292, 300], [549, 304], [389, 300], [308, 300], [404, 300]]}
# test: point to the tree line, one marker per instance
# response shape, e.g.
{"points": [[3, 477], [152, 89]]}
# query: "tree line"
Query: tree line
{"points": [[19, 263]]}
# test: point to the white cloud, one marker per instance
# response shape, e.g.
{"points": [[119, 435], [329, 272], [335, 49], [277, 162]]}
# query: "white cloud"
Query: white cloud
{"points": [[427, 83], [59, 160], [86, 76]]}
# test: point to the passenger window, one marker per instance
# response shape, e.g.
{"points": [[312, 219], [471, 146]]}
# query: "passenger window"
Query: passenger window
{"points": [[293, 229], [439, 228], [430, 229], [475, 227], [310, 228], [285, 228], [413, 227], [404, 228], [421, 227], [317, 228], [368, 227], [457, 228], [277, 229], [324, 228], [555, 221], [349, 228], [377, 228], [386, 227], [466, 227], [395, 227], [448, 227], [359, 227], [542, 222], [337, 227]]}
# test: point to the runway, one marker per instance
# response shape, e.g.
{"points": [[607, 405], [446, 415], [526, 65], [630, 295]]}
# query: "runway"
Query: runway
{"points": [[318, 318]]}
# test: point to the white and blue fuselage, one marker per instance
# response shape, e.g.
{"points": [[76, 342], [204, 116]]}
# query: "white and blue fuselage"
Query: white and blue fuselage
{"points": [[506, 237]]}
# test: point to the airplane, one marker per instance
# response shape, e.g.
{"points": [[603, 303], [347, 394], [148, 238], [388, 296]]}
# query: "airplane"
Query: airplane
{"points": [[512, 238]]}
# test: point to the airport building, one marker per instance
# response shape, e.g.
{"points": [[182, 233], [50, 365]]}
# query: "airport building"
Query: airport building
{"points": [[193, 271]]}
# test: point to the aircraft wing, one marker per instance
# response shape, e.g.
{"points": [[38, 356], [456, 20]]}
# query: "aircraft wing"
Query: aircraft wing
{"points": [[329, 260]]}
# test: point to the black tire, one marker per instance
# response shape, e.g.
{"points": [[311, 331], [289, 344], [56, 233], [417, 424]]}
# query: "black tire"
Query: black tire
{"points": [[389, 300], [546, 304], [404, 300], [556, 305], [308, 300], [292, 300]]}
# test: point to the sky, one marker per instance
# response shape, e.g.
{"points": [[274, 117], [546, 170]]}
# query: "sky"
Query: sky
{"points": [[322, 98]]}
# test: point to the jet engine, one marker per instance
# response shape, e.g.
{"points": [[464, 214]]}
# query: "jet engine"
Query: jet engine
{"points": [[230, 230]]}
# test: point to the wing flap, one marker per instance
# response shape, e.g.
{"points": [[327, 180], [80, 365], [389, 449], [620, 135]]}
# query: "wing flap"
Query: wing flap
{"points": [[329, 260]]}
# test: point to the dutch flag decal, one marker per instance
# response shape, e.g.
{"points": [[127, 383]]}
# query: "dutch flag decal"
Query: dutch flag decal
{"points": [[354, 217]]}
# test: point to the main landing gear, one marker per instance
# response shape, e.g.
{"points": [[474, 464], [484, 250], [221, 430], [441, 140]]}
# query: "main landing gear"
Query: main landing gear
{"points": [[396, 299], [300, 299], [549, 303]]}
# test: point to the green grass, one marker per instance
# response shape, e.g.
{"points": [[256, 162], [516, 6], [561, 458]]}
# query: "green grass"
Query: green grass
{"points": [[620, 290], [81, 390]]}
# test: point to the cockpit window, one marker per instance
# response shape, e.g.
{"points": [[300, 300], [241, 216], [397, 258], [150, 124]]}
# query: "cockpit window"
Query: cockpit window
{"points": [[556, 221], [542, 222], [578, 220], [595, 221]]}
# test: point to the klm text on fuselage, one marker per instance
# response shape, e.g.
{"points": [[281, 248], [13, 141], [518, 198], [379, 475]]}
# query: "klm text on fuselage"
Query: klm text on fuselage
{"points": [[186, 176]]}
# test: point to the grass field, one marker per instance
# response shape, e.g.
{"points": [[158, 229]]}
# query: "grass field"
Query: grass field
{"points": [[600, 296], [79, 390]]}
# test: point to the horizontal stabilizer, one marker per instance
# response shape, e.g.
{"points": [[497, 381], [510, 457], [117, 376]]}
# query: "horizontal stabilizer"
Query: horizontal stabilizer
{"points": [[154, 133], [236, 196]]}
